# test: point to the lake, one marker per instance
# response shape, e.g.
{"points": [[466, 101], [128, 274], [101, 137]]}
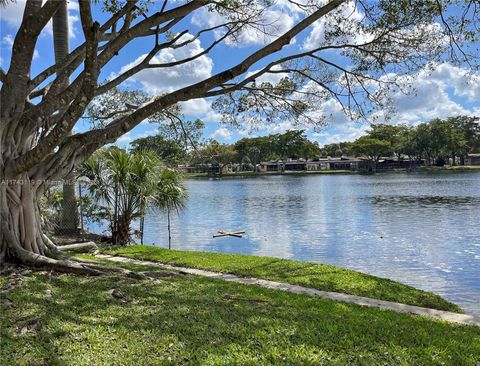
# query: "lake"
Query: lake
{"points": [[422, 229]]}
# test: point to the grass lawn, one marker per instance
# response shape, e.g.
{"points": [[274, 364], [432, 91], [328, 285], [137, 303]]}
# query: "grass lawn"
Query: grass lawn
{"points": [[199, 321], [319, 276]]}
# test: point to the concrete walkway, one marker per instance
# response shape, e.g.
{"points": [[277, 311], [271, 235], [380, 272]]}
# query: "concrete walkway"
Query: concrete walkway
{"points": [[296, 289]]}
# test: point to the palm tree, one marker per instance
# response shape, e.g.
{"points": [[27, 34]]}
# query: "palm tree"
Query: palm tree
{"points": [[69, 220], [171, 195], [125, 184]]}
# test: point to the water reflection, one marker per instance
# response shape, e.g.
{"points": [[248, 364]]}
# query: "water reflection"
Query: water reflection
{"points": [[427, 200], [420, 229]]}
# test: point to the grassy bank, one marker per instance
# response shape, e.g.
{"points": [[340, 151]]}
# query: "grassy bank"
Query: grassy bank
{"points": [[319, 276], [74, 320]]}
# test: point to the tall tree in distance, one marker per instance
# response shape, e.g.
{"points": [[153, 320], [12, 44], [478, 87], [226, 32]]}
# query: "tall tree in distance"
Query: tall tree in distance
{"points": [[372, 148], [69, 216]]}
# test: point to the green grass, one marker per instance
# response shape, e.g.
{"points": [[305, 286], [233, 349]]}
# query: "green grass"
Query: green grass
{"points": [[319, 276], [189, 320]]}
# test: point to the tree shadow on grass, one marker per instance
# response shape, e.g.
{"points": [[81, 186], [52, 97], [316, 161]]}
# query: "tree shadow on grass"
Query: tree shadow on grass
{"points": [[188, 320]]}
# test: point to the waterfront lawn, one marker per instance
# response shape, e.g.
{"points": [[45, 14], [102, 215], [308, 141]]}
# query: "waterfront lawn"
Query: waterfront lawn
{"points": [[201, 321], [319, 276]]}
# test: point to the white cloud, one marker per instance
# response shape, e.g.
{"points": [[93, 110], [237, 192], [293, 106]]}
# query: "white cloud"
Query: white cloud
{"points": [[463, 82], [222, 133], [195, 107], [125, 139], [346, 30], [8, 41], [280, 127], [200, 108], [274, 24], [433, 94], [436, 94], [161, 80], [294, 7], [12, 14], [269, 25], [331, 111], [335, 134], [273, 78]]}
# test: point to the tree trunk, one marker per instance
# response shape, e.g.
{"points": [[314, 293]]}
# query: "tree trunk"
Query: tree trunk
{"points": [[168, 226], [69, 218], [142, 226], [21, 219], [121, 235], [21, 235]]}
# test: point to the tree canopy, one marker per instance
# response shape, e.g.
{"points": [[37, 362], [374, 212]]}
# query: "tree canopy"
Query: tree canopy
{"points": [[434, 141]]}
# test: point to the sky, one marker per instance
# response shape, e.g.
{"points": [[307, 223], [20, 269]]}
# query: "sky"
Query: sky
{"points": [[448, 91]]}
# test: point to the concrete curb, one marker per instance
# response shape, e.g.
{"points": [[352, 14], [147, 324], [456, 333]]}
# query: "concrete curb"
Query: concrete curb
{"points": [[296, 289]]}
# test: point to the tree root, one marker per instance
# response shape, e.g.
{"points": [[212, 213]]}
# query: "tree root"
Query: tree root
{"points": [[78, 247], [51, 247], [72, 265], [59, 265], [62, 263]]}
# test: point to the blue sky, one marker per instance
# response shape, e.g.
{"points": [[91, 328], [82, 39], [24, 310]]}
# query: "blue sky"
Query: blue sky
{"points": [[447, 91]]}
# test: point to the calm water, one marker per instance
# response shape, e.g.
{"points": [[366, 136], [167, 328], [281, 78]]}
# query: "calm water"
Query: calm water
{"points": [[419, 229]]}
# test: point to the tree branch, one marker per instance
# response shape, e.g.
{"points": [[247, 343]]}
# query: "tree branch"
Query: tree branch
{"points": [[15, 89], [118, 127], [57, 135]]}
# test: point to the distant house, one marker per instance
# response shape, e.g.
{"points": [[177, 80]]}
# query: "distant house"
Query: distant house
{"points": [[472, 159], [189, 168], [281, 166], [270, 166], [343, 163], [295, 165], [200, 168], [319, 164], [389, 164]]}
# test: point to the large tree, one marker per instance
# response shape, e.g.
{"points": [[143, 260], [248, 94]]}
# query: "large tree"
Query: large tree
{"points": [[364, 48], [372, 148]]}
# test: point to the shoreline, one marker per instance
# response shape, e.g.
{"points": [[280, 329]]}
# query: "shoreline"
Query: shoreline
{"points": [[251, 174]]}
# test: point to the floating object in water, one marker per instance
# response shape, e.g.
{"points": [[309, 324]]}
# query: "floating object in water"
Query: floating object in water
{"points": [[237, 234]]}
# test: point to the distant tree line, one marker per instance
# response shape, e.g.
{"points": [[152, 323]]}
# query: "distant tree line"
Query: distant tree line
{"points": [[434, 142], [248, 151]]}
